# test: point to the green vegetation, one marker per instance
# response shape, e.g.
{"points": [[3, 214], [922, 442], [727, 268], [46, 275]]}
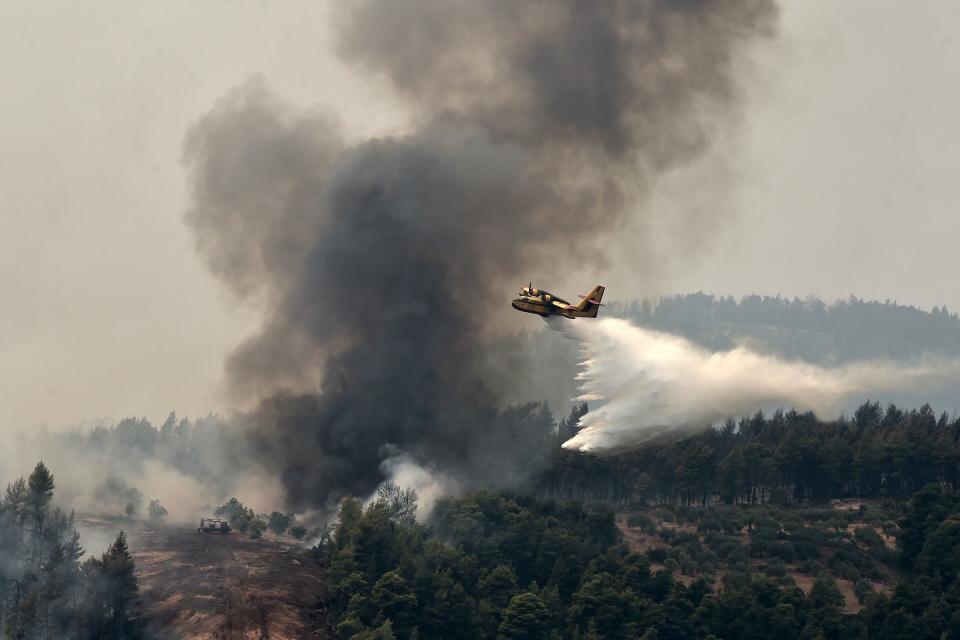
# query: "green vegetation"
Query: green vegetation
{"points": [[242, 518], [730, 534], [45, 591], [465, 575], [784, 458], [777, 542], [927, 603], [156, 511], [278, 522], [491, 565], [298, 531]]}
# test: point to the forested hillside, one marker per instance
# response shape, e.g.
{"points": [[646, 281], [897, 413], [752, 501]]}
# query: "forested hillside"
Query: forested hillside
{"points": [[734, 533], [787, 457], [769, 527], [506, 566]]}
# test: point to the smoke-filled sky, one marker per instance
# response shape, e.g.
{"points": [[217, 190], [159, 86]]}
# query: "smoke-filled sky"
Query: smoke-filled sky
{"points": [[839, 181]]}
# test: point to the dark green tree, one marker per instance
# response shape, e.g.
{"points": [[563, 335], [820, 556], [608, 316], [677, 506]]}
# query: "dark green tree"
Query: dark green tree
{"points": [[278, 522], [525, 618], [393, 600], [40, 487], [825, 594], [111, 609]]}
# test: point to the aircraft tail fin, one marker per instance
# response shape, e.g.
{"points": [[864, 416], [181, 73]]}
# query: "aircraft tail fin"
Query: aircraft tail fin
{"points": [[590, 303]]}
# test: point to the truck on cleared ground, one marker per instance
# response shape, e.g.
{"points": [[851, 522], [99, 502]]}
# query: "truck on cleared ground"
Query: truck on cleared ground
{"points": [[214, 525]]}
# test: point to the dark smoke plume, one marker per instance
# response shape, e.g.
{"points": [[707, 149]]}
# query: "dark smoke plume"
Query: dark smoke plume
{"points": [[539, 126]]}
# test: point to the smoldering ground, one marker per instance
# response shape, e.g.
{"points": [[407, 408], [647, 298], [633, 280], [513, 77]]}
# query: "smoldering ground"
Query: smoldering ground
{"points": [[538, 130]]}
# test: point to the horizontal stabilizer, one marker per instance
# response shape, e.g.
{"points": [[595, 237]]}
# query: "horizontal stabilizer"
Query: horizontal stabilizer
{"points": [[596, 302]]}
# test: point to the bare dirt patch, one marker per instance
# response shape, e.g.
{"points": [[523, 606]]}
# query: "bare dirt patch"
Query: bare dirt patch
{"points": [[850, 602], [224, 587], [640, 542]]}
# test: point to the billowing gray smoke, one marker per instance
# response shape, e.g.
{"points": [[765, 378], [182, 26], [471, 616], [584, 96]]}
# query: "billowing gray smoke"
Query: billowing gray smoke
{"points": [[539, 127]]}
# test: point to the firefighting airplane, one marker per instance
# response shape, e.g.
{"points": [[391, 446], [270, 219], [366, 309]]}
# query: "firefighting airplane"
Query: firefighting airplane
{"points": [[544, 303]]}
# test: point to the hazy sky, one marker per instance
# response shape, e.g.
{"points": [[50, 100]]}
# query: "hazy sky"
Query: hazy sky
{"points": [[843, 181]]}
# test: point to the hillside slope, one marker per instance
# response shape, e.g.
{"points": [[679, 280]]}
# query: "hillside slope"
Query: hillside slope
{"points": [[216, 587]]}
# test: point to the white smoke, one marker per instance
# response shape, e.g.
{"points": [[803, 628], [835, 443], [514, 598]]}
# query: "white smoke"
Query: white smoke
{"points": [[430, 484], [644, 385]]}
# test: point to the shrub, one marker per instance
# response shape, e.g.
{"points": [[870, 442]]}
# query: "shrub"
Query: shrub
{"points": [[792, 524], [298, 531], [737, 555], [657, 555], [767, 524], [863, 589], [781, 550], [868, 537], [775, 568], [156, 511], [710, 524], [257, 526], [759, 548], [641, 521], [825, 593], [728, 548], [811, 567], [805, 550], [685, 513], [278, 522], [845, 570], [239, 516]]}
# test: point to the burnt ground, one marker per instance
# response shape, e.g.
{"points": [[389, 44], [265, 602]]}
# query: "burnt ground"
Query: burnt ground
{"points": [[221, 587]]}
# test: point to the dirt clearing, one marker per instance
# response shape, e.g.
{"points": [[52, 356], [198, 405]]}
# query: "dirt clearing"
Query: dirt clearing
{"points": [[222, 587]]}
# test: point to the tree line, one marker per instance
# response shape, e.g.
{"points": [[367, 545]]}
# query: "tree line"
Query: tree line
{"points": [[46, 592], [787, 457]]}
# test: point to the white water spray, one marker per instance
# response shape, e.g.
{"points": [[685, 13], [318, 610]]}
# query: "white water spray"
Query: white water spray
{"points": [[645, 385]]}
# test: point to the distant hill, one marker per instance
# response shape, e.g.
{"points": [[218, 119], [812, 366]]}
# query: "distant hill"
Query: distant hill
{"points": [[810, 329]]}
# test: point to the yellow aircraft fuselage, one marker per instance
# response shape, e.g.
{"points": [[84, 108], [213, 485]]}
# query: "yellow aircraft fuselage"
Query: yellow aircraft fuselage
{"points": [[544, 303]]}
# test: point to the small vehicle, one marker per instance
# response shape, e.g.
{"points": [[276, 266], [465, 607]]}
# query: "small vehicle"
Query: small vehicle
{"points": [[214, 525]]}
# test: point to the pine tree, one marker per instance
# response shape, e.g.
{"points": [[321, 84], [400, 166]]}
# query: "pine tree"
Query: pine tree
{"points": [[114, 593], [40, 492], [394, 600]]}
